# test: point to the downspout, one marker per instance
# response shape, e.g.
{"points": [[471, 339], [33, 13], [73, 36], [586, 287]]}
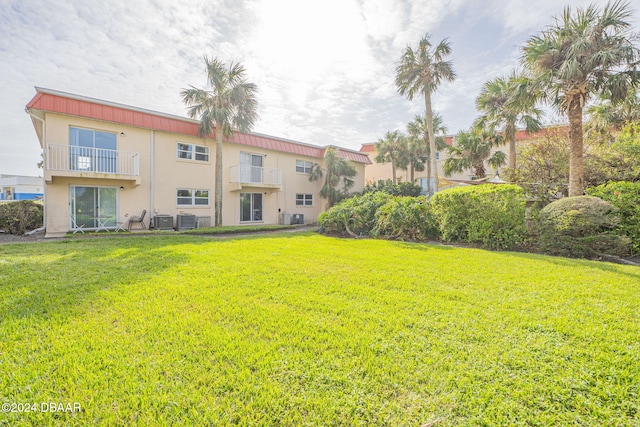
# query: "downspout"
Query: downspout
{"points": [[44, 167], [152, 173]]}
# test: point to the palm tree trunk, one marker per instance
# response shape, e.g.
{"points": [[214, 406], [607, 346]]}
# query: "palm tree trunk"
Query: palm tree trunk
{"points": [[412, 172], [432, 142], [510, 135], [429, 176], [576, 169], [393, 171], [218, 183]]}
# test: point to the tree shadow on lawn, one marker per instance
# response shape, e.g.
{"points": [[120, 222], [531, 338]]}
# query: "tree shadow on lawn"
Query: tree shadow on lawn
{"points": [[559, 261], [35, 286]]}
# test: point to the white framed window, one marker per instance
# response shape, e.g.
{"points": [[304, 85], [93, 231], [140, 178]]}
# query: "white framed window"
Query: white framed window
{"points": [[193, 152], [192, 197], [304, 199], [303, 166], [437, 155]]}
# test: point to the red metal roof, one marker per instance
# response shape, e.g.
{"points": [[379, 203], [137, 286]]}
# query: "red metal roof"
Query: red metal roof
{"points": [[353, 156], [75, 105], [369, 147]]}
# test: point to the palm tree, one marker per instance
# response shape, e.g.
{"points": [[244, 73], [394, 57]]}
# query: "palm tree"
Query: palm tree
{"points": [[421, 72], [581, 55], [393, 149], [606, 115], [337, 170], [470, 151], [419, 142], [229, 104], [507, 102]]}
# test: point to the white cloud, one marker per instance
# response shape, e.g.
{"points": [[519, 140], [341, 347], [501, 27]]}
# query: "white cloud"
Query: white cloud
{"points": [[324, 69]]}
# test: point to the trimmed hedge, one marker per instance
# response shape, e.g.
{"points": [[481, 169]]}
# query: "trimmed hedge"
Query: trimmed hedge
{"points": [[581, 226], [490, 215], [400, 189], [355, 216], [626, 197], [21, 216], [405, 218]]}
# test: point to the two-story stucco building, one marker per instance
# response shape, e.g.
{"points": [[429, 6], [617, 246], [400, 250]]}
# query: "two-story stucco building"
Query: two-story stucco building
{"points": [[106, 162]]}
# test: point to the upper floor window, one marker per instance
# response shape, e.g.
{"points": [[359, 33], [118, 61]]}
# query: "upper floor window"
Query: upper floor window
{"points": [[437, 155], [193, 152], [93, 150], [303, 166]]}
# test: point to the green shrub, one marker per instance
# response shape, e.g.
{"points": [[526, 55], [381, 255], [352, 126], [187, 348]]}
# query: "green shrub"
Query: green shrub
{"points": [[405, 218], [400, 189], [18, 217], [582, 227], [626, 197], [355, 216], [490, 215]]}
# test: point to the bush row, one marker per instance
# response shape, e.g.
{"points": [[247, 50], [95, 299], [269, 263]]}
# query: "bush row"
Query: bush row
{"points": [[489, 215], [493, 216], [18, 217]]}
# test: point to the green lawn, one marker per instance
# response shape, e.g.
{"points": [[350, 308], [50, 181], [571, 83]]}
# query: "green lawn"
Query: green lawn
{"points": [[301, 329]]}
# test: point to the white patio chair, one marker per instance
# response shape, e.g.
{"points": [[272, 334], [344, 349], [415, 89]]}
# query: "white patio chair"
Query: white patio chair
{"points": [[75, 225]]}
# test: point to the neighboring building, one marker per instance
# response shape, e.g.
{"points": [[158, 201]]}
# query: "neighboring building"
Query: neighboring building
{"points": [[382, 171], [19, 187], [105, 162]]}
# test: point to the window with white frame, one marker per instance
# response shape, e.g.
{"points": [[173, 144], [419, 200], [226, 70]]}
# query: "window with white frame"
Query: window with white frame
{"points": [[303, 166], [304, 199], [437, 155], [192, 197], [193, 152]]}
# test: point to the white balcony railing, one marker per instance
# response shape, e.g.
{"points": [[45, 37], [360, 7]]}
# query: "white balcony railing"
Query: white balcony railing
{"points": [[255, 175], [60, 157]]}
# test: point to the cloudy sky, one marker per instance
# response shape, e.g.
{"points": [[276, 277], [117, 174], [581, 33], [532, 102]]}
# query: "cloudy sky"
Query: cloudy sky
{"points": [[324, 68]]}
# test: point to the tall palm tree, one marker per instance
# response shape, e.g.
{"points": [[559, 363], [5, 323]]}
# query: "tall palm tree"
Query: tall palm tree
{"points": [[581, 55], [420, 72], [228, 104], [337, 170], [392, 149], [506, 102], [470, 151], [419, 138]]}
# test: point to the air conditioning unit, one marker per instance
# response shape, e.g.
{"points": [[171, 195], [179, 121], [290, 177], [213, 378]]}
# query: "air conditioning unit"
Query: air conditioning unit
{"points": [[203, 221], [297, 219], [163, 222], [185, 222], [285, 218]]}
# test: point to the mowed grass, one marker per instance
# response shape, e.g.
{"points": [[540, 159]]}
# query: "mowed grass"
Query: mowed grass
{"points": [[301, 329]]}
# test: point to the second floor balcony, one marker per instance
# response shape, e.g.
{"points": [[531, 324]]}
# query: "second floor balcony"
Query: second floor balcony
{"points": [[89, 162], [254, 176]]}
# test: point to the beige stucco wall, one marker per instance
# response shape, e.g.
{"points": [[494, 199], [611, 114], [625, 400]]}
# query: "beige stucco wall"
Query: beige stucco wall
{"points": [[162, 173], [171, 173]]}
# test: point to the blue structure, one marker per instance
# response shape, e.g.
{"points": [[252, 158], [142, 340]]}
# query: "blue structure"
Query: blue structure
{"points": [[19, 187]]}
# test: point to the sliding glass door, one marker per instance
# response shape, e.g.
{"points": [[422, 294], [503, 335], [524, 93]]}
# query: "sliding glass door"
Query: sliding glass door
{"points": [[251, 168], [250, 207], [93, 150], [91, 205]]}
